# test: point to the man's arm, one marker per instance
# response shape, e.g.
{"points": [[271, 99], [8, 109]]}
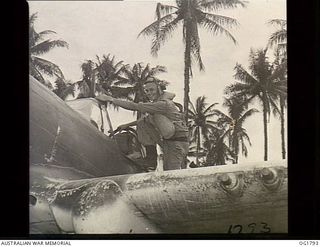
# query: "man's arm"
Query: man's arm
{"points": [[155, 107]]}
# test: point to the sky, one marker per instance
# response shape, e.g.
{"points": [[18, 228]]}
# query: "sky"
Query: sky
{"points": [[101, 27]]}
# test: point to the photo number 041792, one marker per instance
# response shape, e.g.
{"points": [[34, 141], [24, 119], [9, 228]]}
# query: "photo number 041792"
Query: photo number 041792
{"points": [[150, 117]]}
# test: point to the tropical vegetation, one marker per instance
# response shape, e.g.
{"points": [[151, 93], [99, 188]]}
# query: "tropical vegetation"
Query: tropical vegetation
{"points": [[233, 123], [38, 46], [64, 88], [261, 84], [279, 37], [217, 136], [191, 14], [278, 40], [201, 124]]}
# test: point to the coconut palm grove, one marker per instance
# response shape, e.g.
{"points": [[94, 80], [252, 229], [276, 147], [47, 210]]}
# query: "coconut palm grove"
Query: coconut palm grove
{"points": [[218, 131]]}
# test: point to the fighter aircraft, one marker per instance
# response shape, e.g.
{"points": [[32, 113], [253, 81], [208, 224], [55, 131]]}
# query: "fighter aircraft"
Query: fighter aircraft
{"points": [[82, 181]]}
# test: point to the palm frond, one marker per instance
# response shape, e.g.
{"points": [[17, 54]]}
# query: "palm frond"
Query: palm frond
{"points": [[283, 48], [99, 61], [222, 20], [119, 65], [277, 89], [106, 57], [213, 5], [46, 46], [200, 104], [212, 123], [216, 28], [146, 72], [247, 114], [238, 90], [191, 114], [279, 72], [244, 76], [47, 67], [163, 34], [154, 27], [245, 136], [42, 34], [156, 70], [224, 120], [36, 73], [210, 115], [211, 129], [279, 22], [209, 108], [33, 18], [163, 9], [236, 105], [275, 108], [277, 37]]}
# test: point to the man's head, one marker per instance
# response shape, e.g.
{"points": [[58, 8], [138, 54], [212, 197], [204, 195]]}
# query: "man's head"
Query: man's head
{"points": [[152, 90]]}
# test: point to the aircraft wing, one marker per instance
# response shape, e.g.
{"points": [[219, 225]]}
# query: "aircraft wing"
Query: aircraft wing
{"points": [[247, 198]]}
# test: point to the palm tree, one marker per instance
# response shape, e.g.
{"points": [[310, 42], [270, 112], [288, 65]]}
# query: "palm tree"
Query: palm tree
{"points": [[100, 76], [261, 84], [191, 14], [135, 77], [283, 105], [279, 40], [218, 152], [233, 122], [280, 66], [64, 88], [39, 46], [108, 73], [200, 123], [87, 84]]}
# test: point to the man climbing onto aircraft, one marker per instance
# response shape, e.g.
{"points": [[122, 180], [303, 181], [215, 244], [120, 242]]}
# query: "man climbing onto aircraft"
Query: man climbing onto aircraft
{"points": [[147, 135], [165, 123]]}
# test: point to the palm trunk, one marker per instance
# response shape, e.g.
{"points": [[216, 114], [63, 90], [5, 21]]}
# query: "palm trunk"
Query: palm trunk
{"points": [[283, 144], [92, 86], [232, 146], [235, 157], [198, 147], [265, 129], [187, 67]]}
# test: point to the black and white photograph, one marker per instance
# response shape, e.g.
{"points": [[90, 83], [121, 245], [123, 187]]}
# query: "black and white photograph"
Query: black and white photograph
{"points": [[158, 117]]}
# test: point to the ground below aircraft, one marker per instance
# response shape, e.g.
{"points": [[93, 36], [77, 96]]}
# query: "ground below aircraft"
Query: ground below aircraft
{"points": [[82, 182]]}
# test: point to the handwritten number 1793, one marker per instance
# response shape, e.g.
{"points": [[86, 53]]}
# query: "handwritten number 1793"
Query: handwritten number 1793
{"points": [[250, 228]]}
